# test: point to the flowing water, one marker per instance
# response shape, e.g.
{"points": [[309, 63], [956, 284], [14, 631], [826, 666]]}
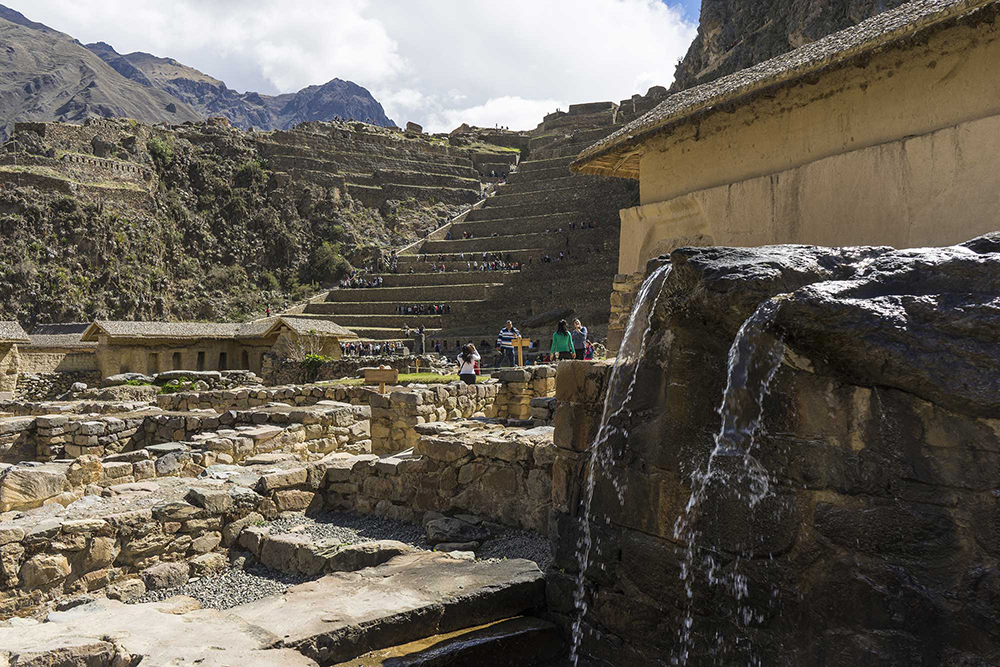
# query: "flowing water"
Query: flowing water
{"points": [[754, 358], [621, 383]]}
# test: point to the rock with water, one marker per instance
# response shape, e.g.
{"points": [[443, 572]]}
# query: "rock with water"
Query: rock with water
{"points": [[842, 508]]}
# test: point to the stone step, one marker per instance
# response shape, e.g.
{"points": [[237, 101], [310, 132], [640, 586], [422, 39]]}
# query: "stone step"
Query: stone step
{"points": [[542, 165], [342, 616], [374, 333], [526, 210], [539, 175], [521, 225], [337, 162], [522, 187], [437, 293], [576, 121], [298, 141], [448, 277], [521, 255], [516, 642], [564, 150], [381, 307], [576, 190], [543, 240], [365, 322]]}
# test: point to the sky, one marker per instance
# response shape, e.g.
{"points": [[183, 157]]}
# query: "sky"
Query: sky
{"points": [[436, 62]]}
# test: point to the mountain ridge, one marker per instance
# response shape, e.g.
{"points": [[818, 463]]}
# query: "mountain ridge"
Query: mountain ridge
{"points": [[48, 75]]}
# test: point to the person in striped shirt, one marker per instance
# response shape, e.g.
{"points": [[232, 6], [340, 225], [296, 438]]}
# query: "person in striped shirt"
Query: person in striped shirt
{"points": [[504, 345]]}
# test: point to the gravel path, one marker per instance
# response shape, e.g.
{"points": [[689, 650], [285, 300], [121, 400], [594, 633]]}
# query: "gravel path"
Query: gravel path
{"points": [[233, 587], [237, 586]]}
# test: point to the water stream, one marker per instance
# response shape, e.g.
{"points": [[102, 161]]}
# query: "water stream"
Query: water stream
{"points": [[621, 383], [732, 469]]}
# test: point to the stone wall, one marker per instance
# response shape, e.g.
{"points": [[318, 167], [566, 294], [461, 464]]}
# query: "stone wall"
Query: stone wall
{"points": [[308, 394], [9, 362], [500, 474], [396, 414], [288, 371], [44, 386], [56, 360]]}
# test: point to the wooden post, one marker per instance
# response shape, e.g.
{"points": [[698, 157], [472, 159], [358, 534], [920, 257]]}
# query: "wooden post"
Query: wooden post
{"points": [[520, 344]]}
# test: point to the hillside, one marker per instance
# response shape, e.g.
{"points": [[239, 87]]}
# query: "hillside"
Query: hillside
{"points": [[735, 34], [122, 220], [47, 75]]}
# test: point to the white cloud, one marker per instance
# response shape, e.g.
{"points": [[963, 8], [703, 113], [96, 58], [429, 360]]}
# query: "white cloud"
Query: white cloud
{"points": [[437, 62]]}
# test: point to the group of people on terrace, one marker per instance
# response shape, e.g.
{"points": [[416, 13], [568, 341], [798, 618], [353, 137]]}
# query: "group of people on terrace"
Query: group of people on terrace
{"points": [[388, 348], [357, 279], [423, 309], [568, 342]]}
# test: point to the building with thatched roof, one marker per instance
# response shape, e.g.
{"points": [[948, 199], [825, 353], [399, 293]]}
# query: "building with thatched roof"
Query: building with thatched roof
{"points": [[886, 133], [154, 347]]}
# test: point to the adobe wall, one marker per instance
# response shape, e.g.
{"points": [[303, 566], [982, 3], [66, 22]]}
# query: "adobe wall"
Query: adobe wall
{"points": [[911, 134], [57, 360], [9, 364], [150, 357]]}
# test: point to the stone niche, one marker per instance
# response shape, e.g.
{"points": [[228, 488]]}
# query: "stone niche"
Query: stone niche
{"points": [[877, 542]]}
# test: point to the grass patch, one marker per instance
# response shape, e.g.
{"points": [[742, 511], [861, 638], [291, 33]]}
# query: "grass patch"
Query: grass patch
{"points": [[410, 378]]}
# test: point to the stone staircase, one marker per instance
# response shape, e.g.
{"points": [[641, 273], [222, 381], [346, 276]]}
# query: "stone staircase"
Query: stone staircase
{"points": [[542, 210]]}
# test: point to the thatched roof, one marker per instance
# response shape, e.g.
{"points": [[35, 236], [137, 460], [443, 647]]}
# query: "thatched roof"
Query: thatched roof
{"points": [[616, 155], [66, 335], [11, 332], [219, 331]]}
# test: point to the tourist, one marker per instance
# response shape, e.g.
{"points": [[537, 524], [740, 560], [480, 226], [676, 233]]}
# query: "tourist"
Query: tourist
{"points": [[437, 346], [562, 342], [579, 334], [467, 364], [505, 345], [589, 351]]}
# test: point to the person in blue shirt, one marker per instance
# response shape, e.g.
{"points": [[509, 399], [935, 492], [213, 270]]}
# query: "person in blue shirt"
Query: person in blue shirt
{"points": [[504, 345]]}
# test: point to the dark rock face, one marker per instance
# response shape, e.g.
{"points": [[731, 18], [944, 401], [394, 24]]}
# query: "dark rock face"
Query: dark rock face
{"points": [[877, 541], [736, 34]]}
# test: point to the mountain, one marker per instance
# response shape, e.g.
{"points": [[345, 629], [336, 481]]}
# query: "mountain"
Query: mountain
{"points": [[735, 34], [211, 97], [47, 75]]}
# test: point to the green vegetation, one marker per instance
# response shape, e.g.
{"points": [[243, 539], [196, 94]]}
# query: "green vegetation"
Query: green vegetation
{"points": [[161, 150], [174, 386]]}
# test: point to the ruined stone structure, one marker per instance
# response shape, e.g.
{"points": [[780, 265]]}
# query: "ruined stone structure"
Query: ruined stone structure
{"points": [[540, 213], [900, 111]]}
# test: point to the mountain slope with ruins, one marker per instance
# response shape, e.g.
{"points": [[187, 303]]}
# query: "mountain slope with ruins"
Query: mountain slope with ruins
{"points": [[116, 219], [47, 75], [735, 34]]}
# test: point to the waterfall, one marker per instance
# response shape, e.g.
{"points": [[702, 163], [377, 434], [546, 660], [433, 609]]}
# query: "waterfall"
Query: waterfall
{"points": [[621, 383], [754, 358]]}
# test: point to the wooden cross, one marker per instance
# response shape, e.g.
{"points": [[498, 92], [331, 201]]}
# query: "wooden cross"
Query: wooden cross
{"points": [[382, 375], [520, 344]]}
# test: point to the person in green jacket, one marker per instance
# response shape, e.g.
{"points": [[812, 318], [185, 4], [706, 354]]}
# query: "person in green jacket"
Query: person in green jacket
{"points": [[562, 342]]}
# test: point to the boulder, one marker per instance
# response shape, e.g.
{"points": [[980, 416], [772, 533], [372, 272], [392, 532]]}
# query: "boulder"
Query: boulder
{"points": [[453, 530], [23, 487], [208, 564], [211, 377], [44, 570], [122, 378], [165, 575], [126, 590]]}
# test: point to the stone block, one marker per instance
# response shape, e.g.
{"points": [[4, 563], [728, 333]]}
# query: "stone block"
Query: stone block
{"points": [[282, 480], [208, 564], [293, 500], [215, 501], [165, 575], [442, 449]]}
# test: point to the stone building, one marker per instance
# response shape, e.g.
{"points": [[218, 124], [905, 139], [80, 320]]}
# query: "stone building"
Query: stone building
{"points": [[886, 133], [58, 348], [11, 335], [154, 347]]}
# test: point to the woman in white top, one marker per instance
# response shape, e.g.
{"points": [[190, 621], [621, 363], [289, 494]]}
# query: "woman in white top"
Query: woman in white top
{"points": [[467, 364]]}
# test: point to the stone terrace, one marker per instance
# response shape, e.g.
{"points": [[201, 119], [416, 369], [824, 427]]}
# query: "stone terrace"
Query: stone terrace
{"points": [[541, 210]]}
